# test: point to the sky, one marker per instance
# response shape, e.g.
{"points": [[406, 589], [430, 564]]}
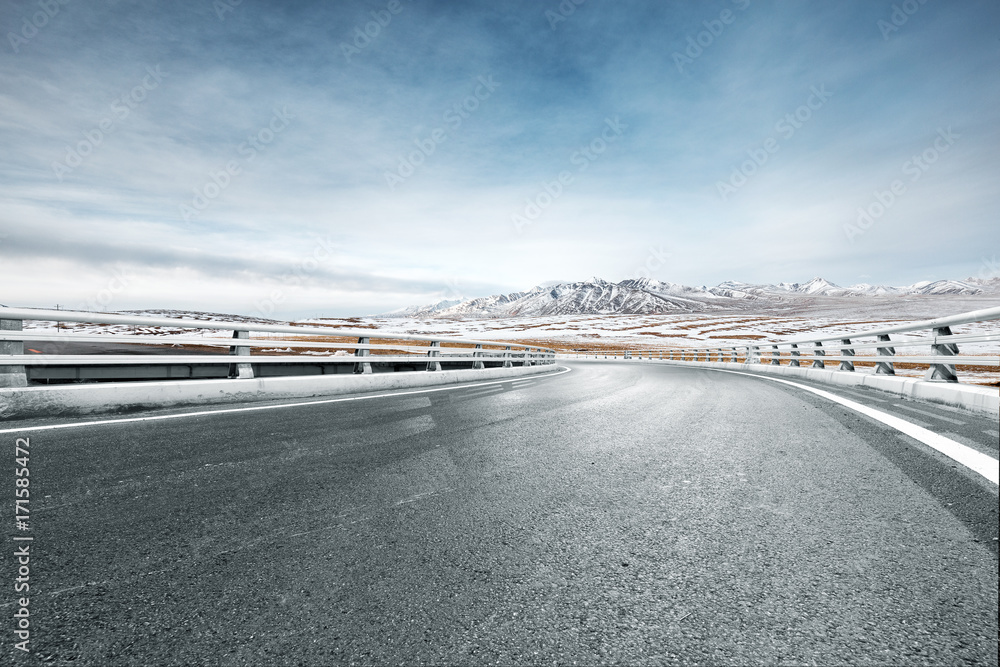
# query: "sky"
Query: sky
{"points": [[294, 159]]}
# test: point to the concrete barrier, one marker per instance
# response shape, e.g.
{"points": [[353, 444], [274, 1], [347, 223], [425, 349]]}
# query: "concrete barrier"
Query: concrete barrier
{"points": [[96, 398]]}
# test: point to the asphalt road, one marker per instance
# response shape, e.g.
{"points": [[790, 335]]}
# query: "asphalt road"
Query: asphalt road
{"points": [[618, 513]]}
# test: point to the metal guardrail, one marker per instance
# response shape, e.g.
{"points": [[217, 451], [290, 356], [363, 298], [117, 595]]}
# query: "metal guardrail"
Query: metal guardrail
{"points": [[17, 369], [941, 362]]}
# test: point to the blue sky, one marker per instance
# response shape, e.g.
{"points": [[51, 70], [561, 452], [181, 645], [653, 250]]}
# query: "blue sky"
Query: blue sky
{"points": [[275, 158]]}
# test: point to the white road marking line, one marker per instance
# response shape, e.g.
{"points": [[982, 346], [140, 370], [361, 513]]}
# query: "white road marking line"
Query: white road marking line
{"points": [[918, 422], [255, 408], [969, 442], [927, 413], [987, 466]]}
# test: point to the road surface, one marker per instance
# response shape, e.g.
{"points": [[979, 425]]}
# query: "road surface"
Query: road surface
{"points": [[616, 513]]}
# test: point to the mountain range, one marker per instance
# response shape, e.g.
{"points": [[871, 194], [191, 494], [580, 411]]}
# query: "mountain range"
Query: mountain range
{"points": [[647, 296]]}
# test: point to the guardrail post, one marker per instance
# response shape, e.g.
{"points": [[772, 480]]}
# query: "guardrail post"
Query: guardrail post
{"points": [[734, 356], [885, 367], [795, 355], [846, 351], [506, 358], [435, 351], [12, 376], [775, 356], [362, 367], [755, 355], [478, 353], [942, 372], [240, 371], [818, 352]]}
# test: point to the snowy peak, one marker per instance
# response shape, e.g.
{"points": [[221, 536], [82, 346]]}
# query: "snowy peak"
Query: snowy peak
{"points": [[818, 286]]}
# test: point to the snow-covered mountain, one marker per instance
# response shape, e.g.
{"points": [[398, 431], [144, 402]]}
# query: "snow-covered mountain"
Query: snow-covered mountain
{"points": [[943, 287], [647, 296], [821, 287], [589, 296]]}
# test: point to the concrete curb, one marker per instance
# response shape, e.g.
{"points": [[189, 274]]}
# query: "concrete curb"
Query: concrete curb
{"points": [[69, 400], [980, 400]]}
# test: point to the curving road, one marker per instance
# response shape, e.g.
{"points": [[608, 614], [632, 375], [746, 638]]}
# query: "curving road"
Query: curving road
{"points": [[625, 513]]}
